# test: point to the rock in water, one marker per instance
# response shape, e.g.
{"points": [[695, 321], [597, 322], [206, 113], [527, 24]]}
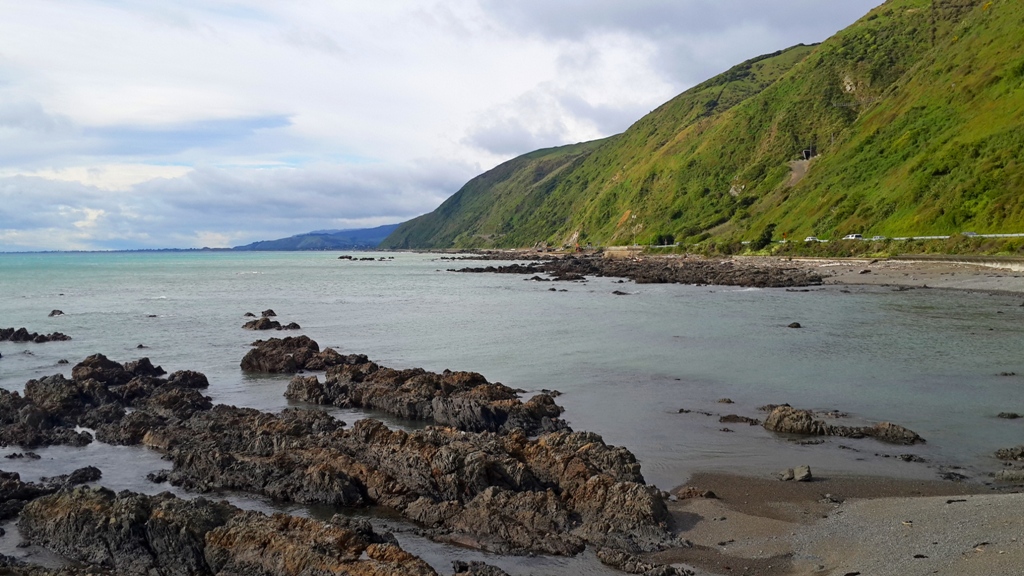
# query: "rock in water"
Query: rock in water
{"points": [[788, 420], [289, 355], [263, 323], [463, 400], [56, 313]]}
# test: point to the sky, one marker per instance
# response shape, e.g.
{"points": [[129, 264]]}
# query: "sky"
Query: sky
{"points": [[133, 124]]}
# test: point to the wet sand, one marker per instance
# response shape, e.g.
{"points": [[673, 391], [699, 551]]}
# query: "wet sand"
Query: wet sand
{"points": [[846, 525]]}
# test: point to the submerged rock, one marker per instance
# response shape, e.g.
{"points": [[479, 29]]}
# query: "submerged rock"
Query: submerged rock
{"points": [[476, 569]]}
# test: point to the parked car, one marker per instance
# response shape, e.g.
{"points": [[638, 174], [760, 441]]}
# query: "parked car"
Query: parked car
{"points": [[811, 239], [853, 237]]}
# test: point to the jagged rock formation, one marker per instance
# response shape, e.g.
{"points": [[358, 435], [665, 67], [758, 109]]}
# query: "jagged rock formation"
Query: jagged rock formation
{"points": [[680, 271], [292, 354], [23, 335], [463, 400], [163, 535], [504, 492], [789, 420], [97, 395], [497, 492]]}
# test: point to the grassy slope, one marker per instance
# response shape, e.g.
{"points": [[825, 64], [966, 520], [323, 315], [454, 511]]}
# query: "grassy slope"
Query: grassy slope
{"points": [[492, 204], [916, 110]]}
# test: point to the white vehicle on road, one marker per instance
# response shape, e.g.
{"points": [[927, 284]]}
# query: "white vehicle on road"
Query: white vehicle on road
{"points": [[853, 237]]}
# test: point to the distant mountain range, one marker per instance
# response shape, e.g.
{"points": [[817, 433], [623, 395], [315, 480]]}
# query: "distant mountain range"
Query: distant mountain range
{"points": [[363, 238], [908, 123]]}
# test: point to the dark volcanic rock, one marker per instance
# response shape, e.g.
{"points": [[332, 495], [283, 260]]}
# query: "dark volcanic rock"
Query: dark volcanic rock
{"points": [[1011, 453], [80, 476], [788, 420], [166, 536], [251, 543], [188, 379], [690, 270], [96, 398], [289, 355], [503, 492], [100, 368], [23, 335], [476, 569], [463, 400], [55, 313], [735, 419], [498, 492], [263, 323], [14, 494], [143, 367]]}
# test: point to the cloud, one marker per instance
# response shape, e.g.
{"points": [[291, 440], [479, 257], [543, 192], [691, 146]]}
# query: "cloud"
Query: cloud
{"points": [[208, 121], [175, 138], [695, 38], [218, 207]]}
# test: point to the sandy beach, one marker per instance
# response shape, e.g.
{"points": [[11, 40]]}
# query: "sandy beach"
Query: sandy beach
{"points": [[842, 526]]}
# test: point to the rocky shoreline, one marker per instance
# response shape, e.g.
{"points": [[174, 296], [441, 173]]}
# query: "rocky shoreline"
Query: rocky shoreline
{"points": [[490, 472], [683, 270], [498, 490]]}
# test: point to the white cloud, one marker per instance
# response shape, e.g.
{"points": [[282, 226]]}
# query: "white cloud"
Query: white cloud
{"points": [[169, 120]]}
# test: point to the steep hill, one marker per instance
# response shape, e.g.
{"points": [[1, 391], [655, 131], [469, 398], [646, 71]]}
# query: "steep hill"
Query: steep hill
{"points": [[915, 115], [493, 204], [366, 238]]}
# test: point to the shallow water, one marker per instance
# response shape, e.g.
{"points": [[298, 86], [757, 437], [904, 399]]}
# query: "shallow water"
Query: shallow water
{"points": [[927, 359]]}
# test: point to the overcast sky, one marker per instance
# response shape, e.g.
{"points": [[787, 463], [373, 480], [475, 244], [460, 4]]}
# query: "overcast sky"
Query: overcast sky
{"points": [[190, 123]]}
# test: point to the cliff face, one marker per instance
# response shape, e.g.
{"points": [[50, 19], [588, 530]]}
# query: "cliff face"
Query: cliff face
{"points": [[906, 123]]}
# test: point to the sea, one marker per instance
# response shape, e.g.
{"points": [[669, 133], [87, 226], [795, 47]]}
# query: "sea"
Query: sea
{"points": [[649, 370]]}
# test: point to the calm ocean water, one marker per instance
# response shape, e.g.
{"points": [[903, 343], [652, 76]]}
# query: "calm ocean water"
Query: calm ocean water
{"points": [[928, 359]]}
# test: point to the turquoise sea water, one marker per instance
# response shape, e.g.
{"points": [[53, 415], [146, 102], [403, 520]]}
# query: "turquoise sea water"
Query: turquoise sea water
{"points": [[927, 359]]}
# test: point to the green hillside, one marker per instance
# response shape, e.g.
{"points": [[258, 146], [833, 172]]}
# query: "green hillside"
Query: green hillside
{"points": [[494, 204], [916, 114]]}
